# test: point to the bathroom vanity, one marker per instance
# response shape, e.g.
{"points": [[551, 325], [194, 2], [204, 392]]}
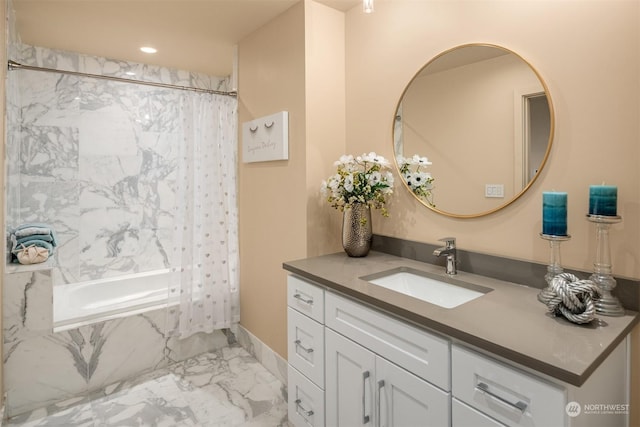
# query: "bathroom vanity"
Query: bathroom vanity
{"points": [[361, 354]]}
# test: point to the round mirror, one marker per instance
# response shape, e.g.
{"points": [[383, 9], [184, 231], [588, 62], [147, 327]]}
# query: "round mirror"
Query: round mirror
{"points": [[473, 130]]}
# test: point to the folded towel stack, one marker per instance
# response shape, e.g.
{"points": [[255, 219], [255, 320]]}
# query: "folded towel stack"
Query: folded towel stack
{"points": [[36, 235]]}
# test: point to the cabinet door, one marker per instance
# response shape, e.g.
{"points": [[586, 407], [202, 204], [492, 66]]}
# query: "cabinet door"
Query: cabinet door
{"points": [[465, 416], [418, 351], [349, 392], [306, 401], [405, 400]]}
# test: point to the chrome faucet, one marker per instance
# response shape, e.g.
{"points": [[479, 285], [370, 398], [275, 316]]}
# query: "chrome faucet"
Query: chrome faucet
{"points": [[449, 249]]}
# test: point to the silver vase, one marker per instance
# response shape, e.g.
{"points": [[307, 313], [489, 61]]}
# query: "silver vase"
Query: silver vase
{"points": [[356, 230]]}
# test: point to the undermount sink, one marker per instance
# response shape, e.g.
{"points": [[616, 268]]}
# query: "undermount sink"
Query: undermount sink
{"points": [[445, 292]]}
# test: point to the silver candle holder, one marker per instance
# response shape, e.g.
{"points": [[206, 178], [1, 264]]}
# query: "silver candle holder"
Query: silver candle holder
{"points": [[555, 264], [607, 304]]}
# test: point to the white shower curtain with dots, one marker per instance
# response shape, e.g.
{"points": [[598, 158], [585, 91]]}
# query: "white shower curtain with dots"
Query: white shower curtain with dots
{"points": [[205, 250]]}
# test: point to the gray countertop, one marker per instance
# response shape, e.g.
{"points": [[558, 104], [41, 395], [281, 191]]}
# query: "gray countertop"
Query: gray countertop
{"points": [[509, 321]]}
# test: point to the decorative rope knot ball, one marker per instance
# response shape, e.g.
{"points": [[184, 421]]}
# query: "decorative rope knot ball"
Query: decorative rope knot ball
{"points": [[571, 297]]}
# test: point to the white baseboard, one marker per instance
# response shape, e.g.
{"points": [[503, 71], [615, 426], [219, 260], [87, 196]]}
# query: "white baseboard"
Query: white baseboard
{"points": [[263, 353]]}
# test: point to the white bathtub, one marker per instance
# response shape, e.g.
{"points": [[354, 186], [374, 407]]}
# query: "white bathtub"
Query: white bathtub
{"points": [[78, 304]]}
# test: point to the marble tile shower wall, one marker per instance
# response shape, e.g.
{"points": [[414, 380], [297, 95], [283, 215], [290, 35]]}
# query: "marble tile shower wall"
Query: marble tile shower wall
{"points": [[95, 159]]}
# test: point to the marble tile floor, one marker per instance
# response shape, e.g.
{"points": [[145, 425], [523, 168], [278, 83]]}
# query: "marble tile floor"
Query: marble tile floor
{"points": [[224, 388]]}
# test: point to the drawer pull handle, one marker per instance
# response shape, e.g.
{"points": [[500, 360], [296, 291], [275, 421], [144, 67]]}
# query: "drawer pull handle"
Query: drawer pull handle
{"points": [[298, 343], [381, 385], [365, 417], [308, 301], [303, 410], [519, 405]]}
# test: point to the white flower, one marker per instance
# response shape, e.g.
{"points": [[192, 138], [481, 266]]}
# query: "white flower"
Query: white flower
{"points": [[408, 177], [348, 183], [408, 161], [334, 182], [324, 187], [372, 157], [367, 157], [423, 161], [418, 180], [388, 178], [384, 163], [344, 160], [374, 178], [359, 180]]}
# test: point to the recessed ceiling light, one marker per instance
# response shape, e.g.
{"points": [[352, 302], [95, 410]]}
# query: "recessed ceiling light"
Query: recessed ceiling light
{"points": [[148, 49]]}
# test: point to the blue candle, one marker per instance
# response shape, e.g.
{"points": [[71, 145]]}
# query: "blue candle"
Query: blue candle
{"points": [[554, 213], [603, 200]]}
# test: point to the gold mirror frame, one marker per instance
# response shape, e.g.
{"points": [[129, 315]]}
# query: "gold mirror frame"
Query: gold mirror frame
{"points": [[542, 163]]}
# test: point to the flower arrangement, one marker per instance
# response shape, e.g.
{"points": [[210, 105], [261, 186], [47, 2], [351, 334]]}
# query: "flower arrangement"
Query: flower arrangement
{"points": [[418, 180], [363, 179]]}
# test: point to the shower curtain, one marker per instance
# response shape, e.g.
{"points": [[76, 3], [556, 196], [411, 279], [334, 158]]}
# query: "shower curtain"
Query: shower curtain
{"points": [[205, 261]]}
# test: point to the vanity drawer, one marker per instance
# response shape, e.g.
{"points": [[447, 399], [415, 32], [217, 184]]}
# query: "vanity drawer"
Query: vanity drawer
{"points": [[306, 401], [465, 416], [305, 297], [507, 394], [305, 346], [418, 351]]}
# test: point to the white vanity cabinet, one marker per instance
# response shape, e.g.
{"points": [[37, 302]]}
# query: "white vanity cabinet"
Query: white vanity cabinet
{"points": [[381, 371], [305, 350], [424, 354], [364, 389], [351, 364]]}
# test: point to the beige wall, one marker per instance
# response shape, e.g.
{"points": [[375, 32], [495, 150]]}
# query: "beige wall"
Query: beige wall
{"points": [[272, 195], [581, 46], [589, 55], [325, 103], [286, 66]]}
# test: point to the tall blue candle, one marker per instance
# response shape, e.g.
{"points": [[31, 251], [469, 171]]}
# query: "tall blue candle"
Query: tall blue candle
{"points": [[554, 213], [603, 200]]}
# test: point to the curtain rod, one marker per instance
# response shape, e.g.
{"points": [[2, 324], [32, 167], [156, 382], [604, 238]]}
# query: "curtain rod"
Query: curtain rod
{"points": [[13, 65]]}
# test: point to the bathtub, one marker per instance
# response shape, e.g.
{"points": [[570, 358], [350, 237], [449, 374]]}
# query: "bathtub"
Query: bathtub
{"points": [[78, 304]]}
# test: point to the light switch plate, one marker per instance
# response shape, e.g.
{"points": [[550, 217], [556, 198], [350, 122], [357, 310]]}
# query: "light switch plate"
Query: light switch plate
{"points": [[494, 190]]}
